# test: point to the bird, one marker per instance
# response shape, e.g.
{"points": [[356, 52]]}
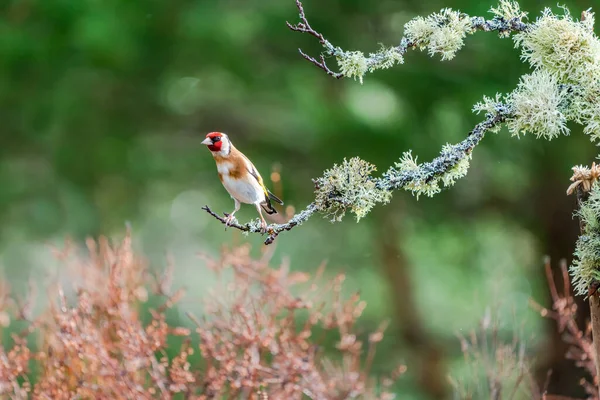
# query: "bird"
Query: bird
{"points": [[240, 177]]}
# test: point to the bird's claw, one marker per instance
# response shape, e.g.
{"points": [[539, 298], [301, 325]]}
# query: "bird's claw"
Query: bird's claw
{"points": [[229, 220], [263, 227]]}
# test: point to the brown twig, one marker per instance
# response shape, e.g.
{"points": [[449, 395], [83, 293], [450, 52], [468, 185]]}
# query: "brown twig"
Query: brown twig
{"points": [[321, 64], [272, 230], [564, 312], [244, 228], [304, 27]]}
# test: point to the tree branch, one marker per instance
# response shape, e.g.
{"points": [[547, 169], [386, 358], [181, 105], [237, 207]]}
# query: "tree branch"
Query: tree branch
{"points": [[503, 25], [583, 194], [424, 178], [273, 230], [445, 161], [391, 180]]}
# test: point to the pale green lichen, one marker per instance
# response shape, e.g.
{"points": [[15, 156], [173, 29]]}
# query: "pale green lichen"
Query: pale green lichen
{"points": [[348, 187], [418, 30], [591, 119], [354, 64], [564, 47], [431, 187], [586, 265], [385, 58], [407, 162], [489, 106], [565, 85], [539, 105], [585, 109], [417, 187], [440, 33], [460, 170], [508, 10]]}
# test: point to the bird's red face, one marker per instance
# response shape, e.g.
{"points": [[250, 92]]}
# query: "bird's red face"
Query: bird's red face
{"points": [[214, 141]]}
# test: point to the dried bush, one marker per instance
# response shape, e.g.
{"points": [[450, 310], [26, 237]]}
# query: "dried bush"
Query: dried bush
{"points": [[497, 369], [500, 369], [256, 339], [564, 312]]}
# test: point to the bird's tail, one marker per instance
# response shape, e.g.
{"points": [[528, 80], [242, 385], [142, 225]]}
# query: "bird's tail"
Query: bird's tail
{"points": [[274, 198], [267, 206]]}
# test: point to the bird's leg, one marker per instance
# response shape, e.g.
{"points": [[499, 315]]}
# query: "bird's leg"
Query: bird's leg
{"points": [[263, 223], [229, 218]]}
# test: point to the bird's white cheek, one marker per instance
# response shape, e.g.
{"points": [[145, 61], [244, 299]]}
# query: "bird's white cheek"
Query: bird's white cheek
{"points": [[225, 147]]}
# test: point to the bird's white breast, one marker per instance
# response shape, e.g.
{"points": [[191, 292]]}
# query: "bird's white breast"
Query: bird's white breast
{"points": [[224, 167], [245, 189]]}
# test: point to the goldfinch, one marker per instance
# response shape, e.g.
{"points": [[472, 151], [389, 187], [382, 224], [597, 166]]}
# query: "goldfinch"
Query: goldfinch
{"points": [[240, 177]]}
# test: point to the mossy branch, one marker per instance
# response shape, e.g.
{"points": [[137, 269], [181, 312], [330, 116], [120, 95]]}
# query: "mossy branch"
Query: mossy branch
{"points": [[585, 269], [563, 52], [350, 186], [564, 86], [440, 33]]}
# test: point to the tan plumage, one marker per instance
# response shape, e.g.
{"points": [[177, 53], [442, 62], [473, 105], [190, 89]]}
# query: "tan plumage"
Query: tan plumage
{"points": [[240, 177]]}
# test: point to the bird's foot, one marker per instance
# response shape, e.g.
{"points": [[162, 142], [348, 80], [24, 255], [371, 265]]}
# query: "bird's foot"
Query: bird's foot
{"points": [[229, 219], [263, 227]]}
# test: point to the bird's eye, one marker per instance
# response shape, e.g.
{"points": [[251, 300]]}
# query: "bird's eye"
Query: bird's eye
{"points": [[216, 139]]}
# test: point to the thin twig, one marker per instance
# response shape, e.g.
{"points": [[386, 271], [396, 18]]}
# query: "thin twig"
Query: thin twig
{"points": [[244, 228], [272, 230], [321, 64], [304, 27]]}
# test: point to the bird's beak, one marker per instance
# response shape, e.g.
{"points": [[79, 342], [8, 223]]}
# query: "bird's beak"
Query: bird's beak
{"points": [[207, 141]]}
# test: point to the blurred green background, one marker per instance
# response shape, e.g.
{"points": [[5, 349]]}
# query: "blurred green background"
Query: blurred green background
{"points": [[103, 105]]}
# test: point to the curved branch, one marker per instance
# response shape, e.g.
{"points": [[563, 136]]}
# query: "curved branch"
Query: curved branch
{"points": [[445, 161], [393, 179], [504, 26], [390, 181]]}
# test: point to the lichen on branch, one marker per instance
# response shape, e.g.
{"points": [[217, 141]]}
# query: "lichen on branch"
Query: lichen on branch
{"points": [[564, 86], [440, 33], [431, 187], [508, 11], [563, 46], [348, 187], [539, 105], [565, 83], [585, 269], [563, 52], [354, 64]]}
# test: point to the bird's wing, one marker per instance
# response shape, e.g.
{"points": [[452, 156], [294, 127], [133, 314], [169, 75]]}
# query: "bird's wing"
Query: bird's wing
{"points": [[254, 172]]}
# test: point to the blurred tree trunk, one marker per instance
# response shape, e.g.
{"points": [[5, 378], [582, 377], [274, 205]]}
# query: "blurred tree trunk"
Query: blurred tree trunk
{"points": [[425, 355], [554, 219]]}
